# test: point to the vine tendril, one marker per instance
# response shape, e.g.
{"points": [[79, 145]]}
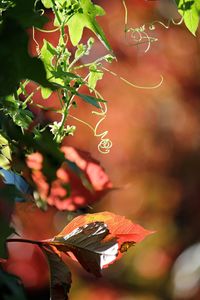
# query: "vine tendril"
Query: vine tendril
{"points": [[105, 144], [134, 85], [139, 35]]}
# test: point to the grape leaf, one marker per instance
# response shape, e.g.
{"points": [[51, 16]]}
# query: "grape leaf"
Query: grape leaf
{"points": [[60, 281], [190, 10], [86, 17], [89, 246]]}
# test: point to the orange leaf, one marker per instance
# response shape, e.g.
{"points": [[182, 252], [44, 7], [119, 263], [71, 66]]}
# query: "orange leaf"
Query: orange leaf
{"points": [[97, 240], [120, 227]]}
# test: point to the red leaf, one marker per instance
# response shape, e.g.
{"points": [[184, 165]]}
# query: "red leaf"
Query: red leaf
{"points": [[91, 244], [96, 240], [120, 227], [56, 193]]}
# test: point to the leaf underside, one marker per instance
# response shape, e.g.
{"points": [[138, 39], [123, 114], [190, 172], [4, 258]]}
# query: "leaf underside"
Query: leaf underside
{"points": [[89, 246], [60, 276]]}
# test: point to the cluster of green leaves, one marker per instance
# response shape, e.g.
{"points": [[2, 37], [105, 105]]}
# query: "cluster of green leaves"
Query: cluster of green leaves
{"points": [[54, 69], [61, 72]]}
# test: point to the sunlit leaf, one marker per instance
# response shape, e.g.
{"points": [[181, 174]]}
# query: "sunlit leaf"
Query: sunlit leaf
{"points": [[120, 227], [5, 155], [97, 240], [47, 3], [190, 10], [86, 17], [46, 93], [94, 76], [89, 246]]}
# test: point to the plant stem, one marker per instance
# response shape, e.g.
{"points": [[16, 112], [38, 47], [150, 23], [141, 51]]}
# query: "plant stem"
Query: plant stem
{"points": [[56, 13]]}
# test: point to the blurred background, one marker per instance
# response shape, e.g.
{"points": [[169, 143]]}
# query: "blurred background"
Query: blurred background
{"points": [[154, 162]]}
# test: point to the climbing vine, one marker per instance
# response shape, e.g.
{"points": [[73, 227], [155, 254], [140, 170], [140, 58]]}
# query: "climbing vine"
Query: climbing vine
{"points": [[35, 167]]}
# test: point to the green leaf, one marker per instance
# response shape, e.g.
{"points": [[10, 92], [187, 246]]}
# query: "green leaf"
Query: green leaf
{"points": [[94, 76], [47, 3], [5, 156], [91, 100], [46, 93], [81, 50], [11, 287], [60, 73], [86, 17], [16, 110], [190, 10], [48, 53]]}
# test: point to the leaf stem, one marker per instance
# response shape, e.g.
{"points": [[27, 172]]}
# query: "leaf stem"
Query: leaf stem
{"points": [[16, 240]]}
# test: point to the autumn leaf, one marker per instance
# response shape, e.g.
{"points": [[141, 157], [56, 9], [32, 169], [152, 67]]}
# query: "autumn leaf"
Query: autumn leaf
{"points": [[118, 226], [60, 276], [88, 246], [70, 190], [97, 240]]}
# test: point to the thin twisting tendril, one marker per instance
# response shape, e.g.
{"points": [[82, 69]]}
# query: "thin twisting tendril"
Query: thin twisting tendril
{"points": [[37, 44], [39, 11], [134, 85], [48, 30], [139, 34], [105, 144]]}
